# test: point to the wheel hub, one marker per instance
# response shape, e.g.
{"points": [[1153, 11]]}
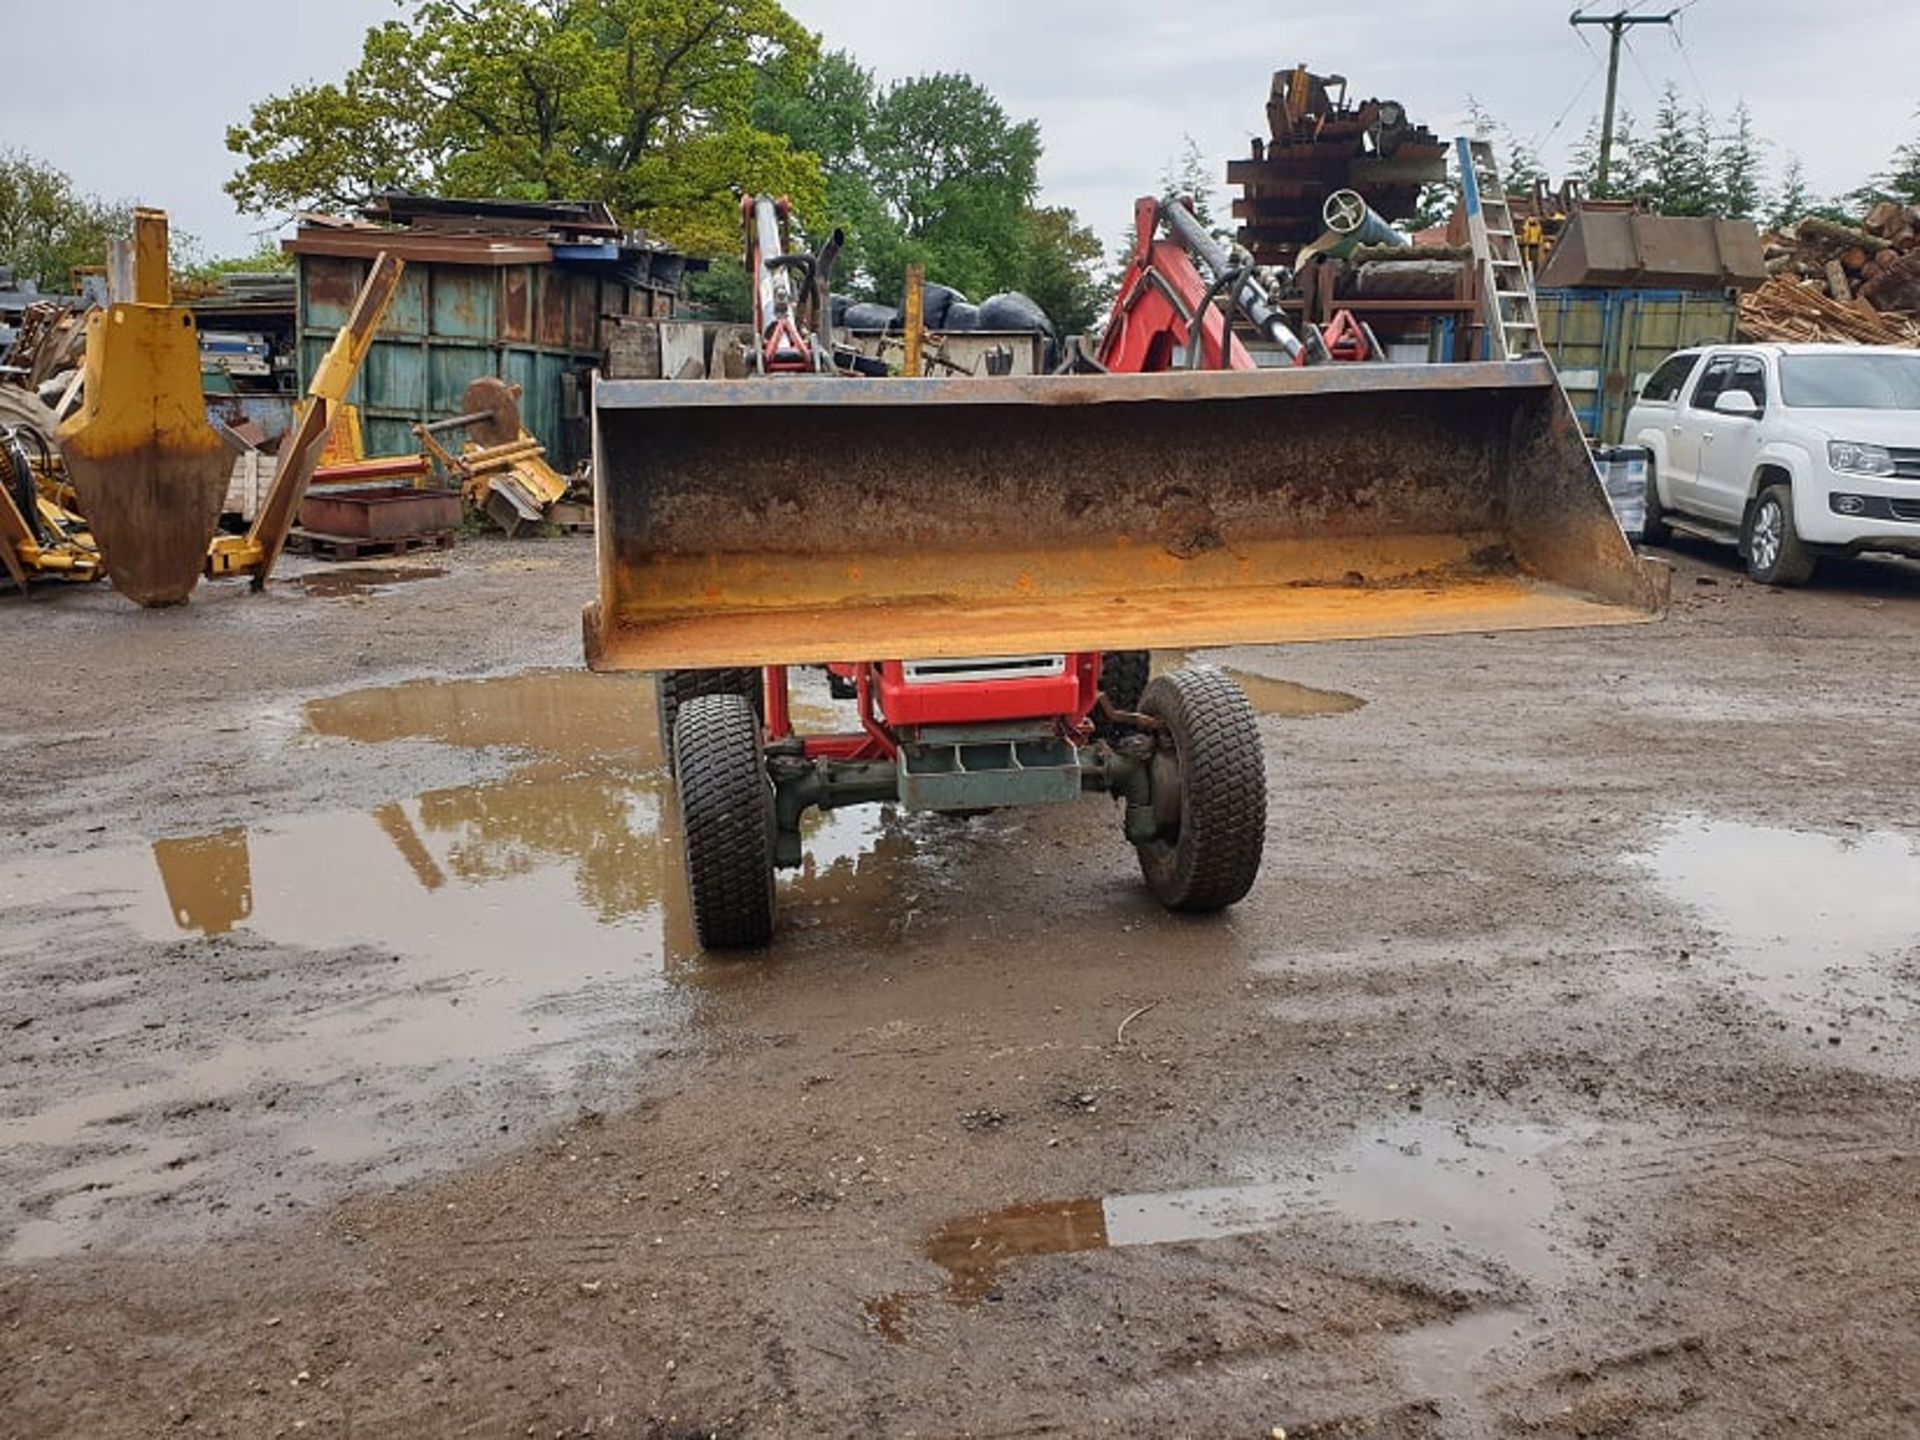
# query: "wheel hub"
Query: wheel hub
{"points": [[1766, 536]]}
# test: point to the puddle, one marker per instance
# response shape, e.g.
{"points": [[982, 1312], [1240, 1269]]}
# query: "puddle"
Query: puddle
{"points": [[364, 579], [1481, 1197], [467, 961], [1283, 698], [1815, 925], [567, 714]]}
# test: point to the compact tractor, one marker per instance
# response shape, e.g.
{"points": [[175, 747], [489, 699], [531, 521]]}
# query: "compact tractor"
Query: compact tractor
{"points": [[1010, 549]]}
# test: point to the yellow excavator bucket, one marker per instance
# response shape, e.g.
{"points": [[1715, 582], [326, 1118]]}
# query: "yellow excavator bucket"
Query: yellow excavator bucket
{"points": [[803, 519], [149, 471]]}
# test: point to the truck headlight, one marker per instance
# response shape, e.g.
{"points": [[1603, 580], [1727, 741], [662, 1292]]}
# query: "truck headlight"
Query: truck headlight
{"points": [[1845, 455]]}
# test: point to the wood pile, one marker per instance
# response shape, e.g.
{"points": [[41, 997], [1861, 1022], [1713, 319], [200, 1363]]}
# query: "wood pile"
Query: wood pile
{"points": [[1841, 283]]}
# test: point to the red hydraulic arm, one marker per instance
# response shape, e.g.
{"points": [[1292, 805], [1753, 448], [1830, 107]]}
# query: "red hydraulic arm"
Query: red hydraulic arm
{"points": [[1152, 325]]}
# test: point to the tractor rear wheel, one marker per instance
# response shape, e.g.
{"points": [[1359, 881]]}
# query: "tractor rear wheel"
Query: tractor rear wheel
{"points": [[1123, 676], [1210, 794], [726, 821], [673, 688]]}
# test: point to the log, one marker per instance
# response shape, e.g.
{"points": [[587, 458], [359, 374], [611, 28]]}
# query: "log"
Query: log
{"points": [[1854, 257], [1899, 287], [1888, 218], [1837, 285], [1817, 229]]}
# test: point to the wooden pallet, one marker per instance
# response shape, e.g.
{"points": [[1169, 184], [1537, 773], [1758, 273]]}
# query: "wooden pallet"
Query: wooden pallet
{"points": [[570, 517], [354, 547]]}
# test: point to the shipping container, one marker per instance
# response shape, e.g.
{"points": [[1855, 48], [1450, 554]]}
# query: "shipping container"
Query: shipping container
{"points": [[526, 292], [1606, 343]]}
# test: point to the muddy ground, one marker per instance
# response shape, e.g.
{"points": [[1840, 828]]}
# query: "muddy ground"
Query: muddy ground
{"points": [[358, 1075]]}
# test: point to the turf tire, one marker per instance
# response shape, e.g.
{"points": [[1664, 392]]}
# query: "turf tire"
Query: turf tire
{"points": [[727, 821], [1213, 857]]}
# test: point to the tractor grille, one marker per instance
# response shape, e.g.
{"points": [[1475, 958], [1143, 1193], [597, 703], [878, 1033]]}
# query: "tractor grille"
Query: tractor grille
{"points": [[1906, 464]]}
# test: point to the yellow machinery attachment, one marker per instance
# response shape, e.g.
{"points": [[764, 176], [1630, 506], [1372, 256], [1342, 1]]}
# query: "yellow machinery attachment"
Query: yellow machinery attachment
{"points": [[149, 471], [502, 469], [255, 553], [802, 519], [40, 537]]}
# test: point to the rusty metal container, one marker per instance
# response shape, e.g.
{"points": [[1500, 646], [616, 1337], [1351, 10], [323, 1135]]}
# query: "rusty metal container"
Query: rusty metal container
{"points": [[1627, 248], [379, 513]]}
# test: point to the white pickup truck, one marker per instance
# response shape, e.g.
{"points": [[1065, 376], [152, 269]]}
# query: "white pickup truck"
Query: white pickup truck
{"points": [[1790, 452]]}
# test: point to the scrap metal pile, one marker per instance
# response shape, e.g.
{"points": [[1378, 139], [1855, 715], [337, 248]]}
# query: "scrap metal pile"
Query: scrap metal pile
{"points": [[1857, 285], [1323, 143]]}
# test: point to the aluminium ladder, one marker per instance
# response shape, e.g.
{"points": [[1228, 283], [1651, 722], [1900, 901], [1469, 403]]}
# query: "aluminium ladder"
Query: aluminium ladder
{"points": [[1513, 313]]}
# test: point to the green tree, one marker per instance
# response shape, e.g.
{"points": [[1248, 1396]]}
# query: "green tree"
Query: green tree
{"points": [[1675, 161], [644, 104], [828, 114], [1063, 274], [1795, 201], [1625, 178], [1187, 175], [48, 228], [1900, 181], [931, 171], [1519, 163], [1739, 166], [956, 177]]}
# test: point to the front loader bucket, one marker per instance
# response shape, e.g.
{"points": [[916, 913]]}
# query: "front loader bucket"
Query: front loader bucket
{"points": [[148, 470], [801, 520]]}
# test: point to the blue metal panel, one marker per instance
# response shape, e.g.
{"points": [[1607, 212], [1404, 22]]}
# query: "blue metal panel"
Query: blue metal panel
{"points": [[463, 298], [451, 368], [394, 378]]}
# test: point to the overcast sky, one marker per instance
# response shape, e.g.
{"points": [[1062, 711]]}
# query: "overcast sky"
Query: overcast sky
{"points": [[133, 97]]}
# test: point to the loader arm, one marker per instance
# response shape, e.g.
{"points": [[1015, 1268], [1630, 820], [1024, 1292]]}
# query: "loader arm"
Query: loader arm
{"points": [[1166, 318]]}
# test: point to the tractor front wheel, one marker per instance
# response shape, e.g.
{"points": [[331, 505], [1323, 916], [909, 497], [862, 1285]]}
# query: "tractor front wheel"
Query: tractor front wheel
{"points": [[1209, 793], [673, 688], [726, 820], [1123, 676]]}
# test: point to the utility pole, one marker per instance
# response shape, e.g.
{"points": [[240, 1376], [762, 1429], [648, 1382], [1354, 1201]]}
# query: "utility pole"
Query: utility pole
{"points": [[1617, 26]]}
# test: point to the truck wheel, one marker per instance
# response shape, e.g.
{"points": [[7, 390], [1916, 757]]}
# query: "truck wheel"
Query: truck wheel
{"points": [[1123, 676], [1775, 555], [1211, 799], [673, 688], [1654, 531], [727, 821]]}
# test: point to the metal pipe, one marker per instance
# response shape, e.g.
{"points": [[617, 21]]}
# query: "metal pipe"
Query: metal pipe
{"points": [[1247, 294], [1349, 215], [776, 286]]}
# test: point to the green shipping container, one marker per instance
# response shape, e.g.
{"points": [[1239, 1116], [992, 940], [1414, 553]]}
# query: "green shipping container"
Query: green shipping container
{"points": [[536, 325], [1606, 343]]}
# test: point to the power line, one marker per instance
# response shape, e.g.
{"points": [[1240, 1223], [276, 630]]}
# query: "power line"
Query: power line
{"points": [[1616, 25]]}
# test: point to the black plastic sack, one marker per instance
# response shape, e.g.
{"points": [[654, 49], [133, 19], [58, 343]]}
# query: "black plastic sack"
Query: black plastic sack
{"points": [[868, 316], [1013, 311]]}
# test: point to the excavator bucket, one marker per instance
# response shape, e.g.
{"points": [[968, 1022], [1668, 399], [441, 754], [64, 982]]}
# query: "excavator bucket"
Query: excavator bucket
{"points": [[149, 471], [800, 520]]}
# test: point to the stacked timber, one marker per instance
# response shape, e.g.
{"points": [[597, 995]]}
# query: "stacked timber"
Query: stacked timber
{"points": [[1851, 284]]}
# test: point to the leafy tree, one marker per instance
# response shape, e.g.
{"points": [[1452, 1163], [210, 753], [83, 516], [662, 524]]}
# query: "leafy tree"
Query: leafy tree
{"points": [[956, 177], [48, 228], [644, 104], [194, 269], [1063, 274]]}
